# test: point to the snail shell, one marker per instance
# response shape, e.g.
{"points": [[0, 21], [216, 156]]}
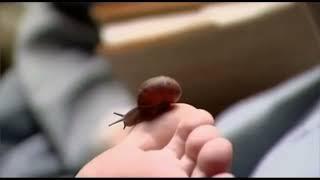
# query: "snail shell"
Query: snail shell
{"points": [[158, 91], [154, 96]]}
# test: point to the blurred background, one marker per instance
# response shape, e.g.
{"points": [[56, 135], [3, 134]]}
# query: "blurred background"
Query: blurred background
{"points": [[10, 16], [65, 67]]}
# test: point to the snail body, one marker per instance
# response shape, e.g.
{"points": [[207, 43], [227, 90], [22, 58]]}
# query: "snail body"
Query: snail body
{"points": [[154, 96]]}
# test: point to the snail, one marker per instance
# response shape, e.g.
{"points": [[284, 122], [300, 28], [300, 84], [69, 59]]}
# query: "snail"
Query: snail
{"points": [[155, 95]]}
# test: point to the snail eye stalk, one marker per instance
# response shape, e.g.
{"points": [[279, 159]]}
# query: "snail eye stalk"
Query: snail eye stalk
{"points": [[116, 122], [121, 115]]}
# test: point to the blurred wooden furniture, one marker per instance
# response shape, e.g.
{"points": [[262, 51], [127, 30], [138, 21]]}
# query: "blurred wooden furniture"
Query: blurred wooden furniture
{"points": [[119, 11], [315, 12], [10, 15], [220, 53]]}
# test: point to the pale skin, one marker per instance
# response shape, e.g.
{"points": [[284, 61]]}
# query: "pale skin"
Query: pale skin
{"points": [[182, 142]]}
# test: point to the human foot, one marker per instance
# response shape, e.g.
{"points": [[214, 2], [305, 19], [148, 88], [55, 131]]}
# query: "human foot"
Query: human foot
{"points": [[180, 143]]}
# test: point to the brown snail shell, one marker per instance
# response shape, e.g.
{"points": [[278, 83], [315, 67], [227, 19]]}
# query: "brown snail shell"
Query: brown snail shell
{"points": [[157, 91], [154, 96]]}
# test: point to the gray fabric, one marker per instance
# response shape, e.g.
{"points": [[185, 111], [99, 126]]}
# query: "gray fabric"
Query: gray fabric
{"points": [[68, 87], [256, 124], [297, 154], [65, 86], [16, 119], [32, 158]]}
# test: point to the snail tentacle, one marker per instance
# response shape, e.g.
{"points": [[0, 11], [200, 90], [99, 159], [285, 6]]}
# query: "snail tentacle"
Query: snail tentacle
{"points": [[121, 115], [116, 122]]}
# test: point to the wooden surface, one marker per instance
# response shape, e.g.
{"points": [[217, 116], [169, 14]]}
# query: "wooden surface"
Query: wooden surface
{"points": [[224, 58], [113, 12]]}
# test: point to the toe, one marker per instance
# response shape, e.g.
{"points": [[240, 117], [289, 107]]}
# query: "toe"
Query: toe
{"points": [[193, 120], [224, 175], [187, 164], [215, 157], [198, 138]]}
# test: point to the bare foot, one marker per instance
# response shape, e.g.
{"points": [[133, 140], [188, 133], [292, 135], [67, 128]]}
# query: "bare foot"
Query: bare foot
{"points": [[180, 143]]}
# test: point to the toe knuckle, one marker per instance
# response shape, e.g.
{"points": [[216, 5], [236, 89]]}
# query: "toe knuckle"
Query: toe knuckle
{"points": [[185, 106], [206, 117], [225, 143]]}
